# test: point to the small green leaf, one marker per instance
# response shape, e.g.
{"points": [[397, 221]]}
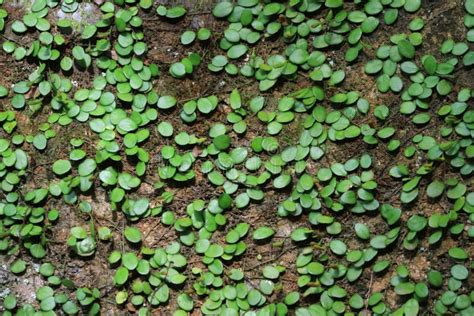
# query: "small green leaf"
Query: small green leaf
{"points": [[18, 266], [338, 247], [61, 166], [222, 9], [121, 276], [133, 234], [435, 189], [458, 253], [263, 232]]}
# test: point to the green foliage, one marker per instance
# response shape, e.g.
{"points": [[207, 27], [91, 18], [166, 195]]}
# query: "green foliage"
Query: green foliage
{"points": [[270, 180]]}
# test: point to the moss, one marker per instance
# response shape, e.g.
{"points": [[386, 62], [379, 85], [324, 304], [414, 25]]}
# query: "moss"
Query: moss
{"points": [[291, 132]]}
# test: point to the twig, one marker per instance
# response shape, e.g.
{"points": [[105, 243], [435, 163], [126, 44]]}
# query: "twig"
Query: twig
{"points": [[369, 290]]}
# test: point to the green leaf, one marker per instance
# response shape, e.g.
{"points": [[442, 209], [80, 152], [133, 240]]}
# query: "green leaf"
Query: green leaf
{"points": [[334, 3], [175, 12], [127, 124], [272, 8], [18, 27], [176, 278], [165, 129], [235, 99], [373, 66], [416, 223], [299, 56], [282, 181], [40, 141], [412, 5], [362, 231], [185, 302], [133, 235], [406, 49], [405, 288], [292, 298], [270, 272], [18, 266], [89, 31], [37, 251], [121, 276], [206, 105], [262, 233], [300, 234], [242, 200], [421, 118], [237, 51], [222, 142], [177, 70], [61, 166], [338, 247], [130, 261], [386, 132], [166, 102], [435, 278], [188, 37], [458, 253], [435, 189], [87, 167], [9, 302], [457, 191], [70, 308], [222, 9], [430, 64], [411, 307], [203, 34], [381, 265]]}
